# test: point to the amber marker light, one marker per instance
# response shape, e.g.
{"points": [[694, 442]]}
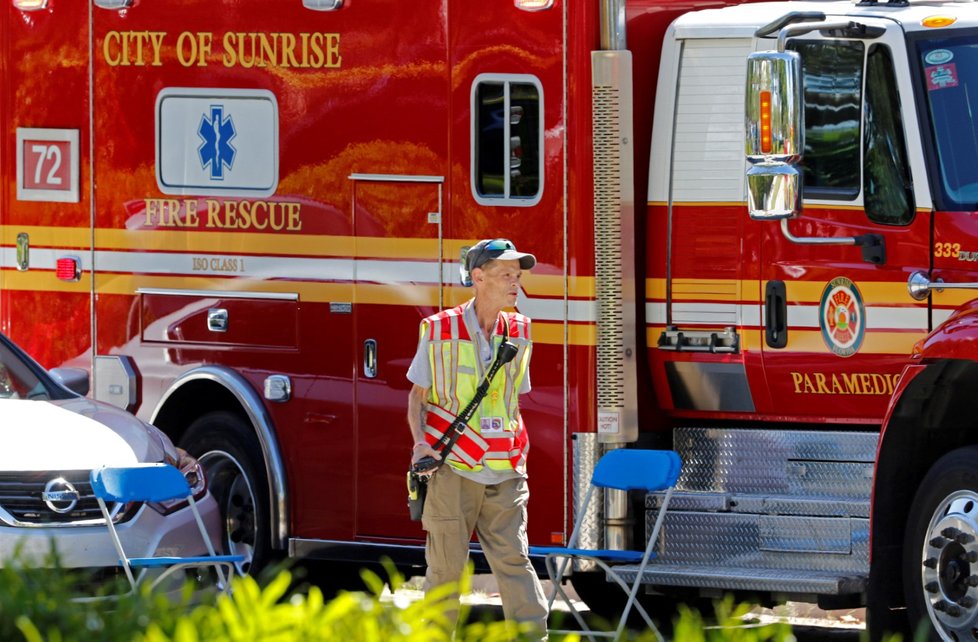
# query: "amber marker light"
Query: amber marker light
{"points": [[30, 5], [936, 22], [765, 99], [533, 5]]}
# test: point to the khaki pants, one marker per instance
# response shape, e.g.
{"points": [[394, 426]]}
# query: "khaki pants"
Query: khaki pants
{"points": [[454, 508]]}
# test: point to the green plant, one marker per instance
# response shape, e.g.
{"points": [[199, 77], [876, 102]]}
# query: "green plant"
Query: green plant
{"points": [[39, 601], [254, 614], [40, 604]]}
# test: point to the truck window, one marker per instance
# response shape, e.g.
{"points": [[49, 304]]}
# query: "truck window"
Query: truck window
{"points": [[833, 93], [887, 193], [950, 85], [507, 140]]}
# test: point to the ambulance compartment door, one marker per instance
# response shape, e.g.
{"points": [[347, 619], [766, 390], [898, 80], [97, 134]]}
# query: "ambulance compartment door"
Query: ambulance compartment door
{"points": [[45, 259], [398, 274]]}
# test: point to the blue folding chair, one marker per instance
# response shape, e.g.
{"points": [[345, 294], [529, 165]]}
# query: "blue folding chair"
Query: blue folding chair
{"points": [[621, 469], [155, 483]]}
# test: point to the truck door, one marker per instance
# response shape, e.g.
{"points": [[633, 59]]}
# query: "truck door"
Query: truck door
{"points": [[397, 221], [948, 86], [838, 320]]}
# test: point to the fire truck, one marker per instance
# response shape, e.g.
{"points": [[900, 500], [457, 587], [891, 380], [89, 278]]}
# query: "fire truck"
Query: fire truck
{"points": [[756, 228]]}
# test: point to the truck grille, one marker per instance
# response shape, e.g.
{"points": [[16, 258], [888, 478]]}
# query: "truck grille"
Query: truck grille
{"points": [[23, 502]]}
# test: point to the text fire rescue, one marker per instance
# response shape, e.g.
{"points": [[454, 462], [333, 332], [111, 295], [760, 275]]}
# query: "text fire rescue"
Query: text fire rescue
{"points": [[276, 216], [238, 49]]}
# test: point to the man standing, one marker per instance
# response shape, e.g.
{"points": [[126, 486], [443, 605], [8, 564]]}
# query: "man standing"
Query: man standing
{"points": [[482, 487]]}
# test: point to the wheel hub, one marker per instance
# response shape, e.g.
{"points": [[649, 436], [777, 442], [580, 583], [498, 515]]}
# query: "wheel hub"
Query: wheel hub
{"points": [[950, 568]]}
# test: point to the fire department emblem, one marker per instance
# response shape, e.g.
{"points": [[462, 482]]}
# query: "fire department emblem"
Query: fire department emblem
{"points": [[842, 317]]}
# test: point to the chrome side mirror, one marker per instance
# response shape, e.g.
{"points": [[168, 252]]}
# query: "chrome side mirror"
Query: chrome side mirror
{"points": [[775, 134], [773, 191]]}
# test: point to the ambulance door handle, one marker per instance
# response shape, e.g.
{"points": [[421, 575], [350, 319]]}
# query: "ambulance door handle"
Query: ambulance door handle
{"points": [[775, 314], [112, 4], [370, 359], [217, 320]]}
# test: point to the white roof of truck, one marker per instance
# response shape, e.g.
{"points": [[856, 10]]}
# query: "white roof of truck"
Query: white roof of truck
{"points": [[741, 21]]}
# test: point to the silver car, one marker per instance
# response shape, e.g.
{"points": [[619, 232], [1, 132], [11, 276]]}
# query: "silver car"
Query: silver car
{"points": [[52, 437]]}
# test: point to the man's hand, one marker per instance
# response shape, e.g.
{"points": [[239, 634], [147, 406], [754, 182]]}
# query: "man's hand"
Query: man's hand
{"points": [[422, 450]]}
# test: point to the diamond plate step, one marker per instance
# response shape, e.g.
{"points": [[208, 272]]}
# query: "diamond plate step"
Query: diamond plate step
{"points": [[772, 504], [747, 579], [828, 466]]}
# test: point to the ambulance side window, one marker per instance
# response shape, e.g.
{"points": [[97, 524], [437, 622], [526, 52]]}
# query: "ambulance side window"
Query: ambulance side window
{"points": [[507, 139], [887, 191], [833, 94]]}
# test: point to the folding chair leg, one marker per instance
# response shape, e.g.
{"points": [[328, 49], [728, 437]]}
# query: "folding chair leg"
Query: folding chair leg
{"points": [[133, 583], [632, 602], [633, 593], [224, 581], [556, 577], [551, 564]]}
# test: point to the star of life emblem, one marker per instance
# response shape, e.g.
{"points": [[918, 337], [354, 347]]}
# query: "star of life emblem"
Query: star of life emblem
{"points": [[215, 141], [216, 151]]}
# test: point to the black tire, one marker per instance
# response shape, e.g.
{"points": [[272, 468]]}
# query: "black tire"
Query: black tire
{"points": [[230, 454], [940, 565]]}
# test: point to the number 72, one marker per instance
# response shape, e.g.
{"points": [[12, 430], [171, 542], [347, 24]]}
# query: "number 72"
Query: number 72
{"points": [[47, 153]]}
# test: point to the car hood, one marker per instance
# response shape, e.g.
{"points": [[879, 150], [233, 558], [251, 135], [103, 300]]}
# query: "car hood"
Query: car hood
{"points": [[73, 434]]}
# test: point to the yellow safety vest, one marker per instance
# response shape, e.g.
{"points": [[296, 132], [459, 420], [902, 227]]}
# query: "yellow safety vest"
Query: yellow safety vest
{"points": [[495, 433]]}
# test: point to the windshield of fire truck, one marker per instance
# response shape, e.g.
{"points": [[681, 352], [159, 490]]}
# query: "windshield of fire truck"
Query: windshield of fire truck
{"points": [[949, 75]]}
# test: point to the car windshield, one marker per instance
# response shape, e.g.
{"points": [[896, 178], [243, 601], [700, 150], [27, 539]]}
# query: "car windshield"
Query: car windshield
{"points": [[17, 379], [949, 67]]}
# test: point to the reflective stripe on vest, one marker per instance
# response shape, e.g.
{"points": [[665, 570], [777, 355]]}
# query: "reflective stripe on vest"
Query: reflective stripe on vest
{"points": [[457, 371]]}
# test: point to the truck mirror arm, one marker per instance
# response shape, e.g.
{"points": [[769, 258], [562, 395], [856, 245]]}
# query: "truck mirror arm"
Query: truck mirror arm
{"points": [[802, 29], [793, 17], [873, 246]]}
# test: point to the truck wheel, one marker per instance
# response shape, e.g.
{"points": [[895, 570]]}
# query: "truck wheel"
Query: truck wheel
{"points": [[228, 450], [940, 551]]}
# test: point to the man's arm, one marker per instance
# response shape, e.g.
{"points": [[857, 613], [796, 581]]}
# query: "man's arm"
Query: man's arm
{"points": [[417, 402]]}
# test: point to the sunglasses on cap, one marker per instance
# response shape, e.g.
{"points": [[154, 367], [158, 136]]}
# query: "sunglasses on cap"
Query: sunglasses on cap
{"points": [[484, 254], [480, 254]]}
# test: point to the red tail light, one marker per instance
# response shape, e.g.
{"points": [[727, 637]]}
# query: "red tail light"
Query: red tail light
{"points": [[69, 268]]}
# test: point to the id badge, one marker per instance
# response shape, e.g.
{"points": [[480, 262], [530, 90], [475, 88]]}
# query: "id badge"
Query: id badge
{"points": [[492, 426]]}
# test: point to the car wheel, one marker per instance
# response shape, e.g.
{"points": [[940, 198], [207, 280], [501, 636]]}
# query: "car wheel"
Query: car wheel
{"points": [[940, 552], [229, 452]]}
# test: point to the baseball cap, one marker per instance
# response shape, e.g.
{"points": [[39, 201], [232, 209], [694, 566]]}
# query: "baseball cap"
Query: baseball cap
{"points": [[489, 249], [498, 249]]}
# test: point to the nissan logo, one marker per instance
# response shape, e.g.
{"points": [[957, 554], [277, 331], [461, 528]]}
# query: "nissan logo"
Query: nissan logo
{"points": [[60, 496]]}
